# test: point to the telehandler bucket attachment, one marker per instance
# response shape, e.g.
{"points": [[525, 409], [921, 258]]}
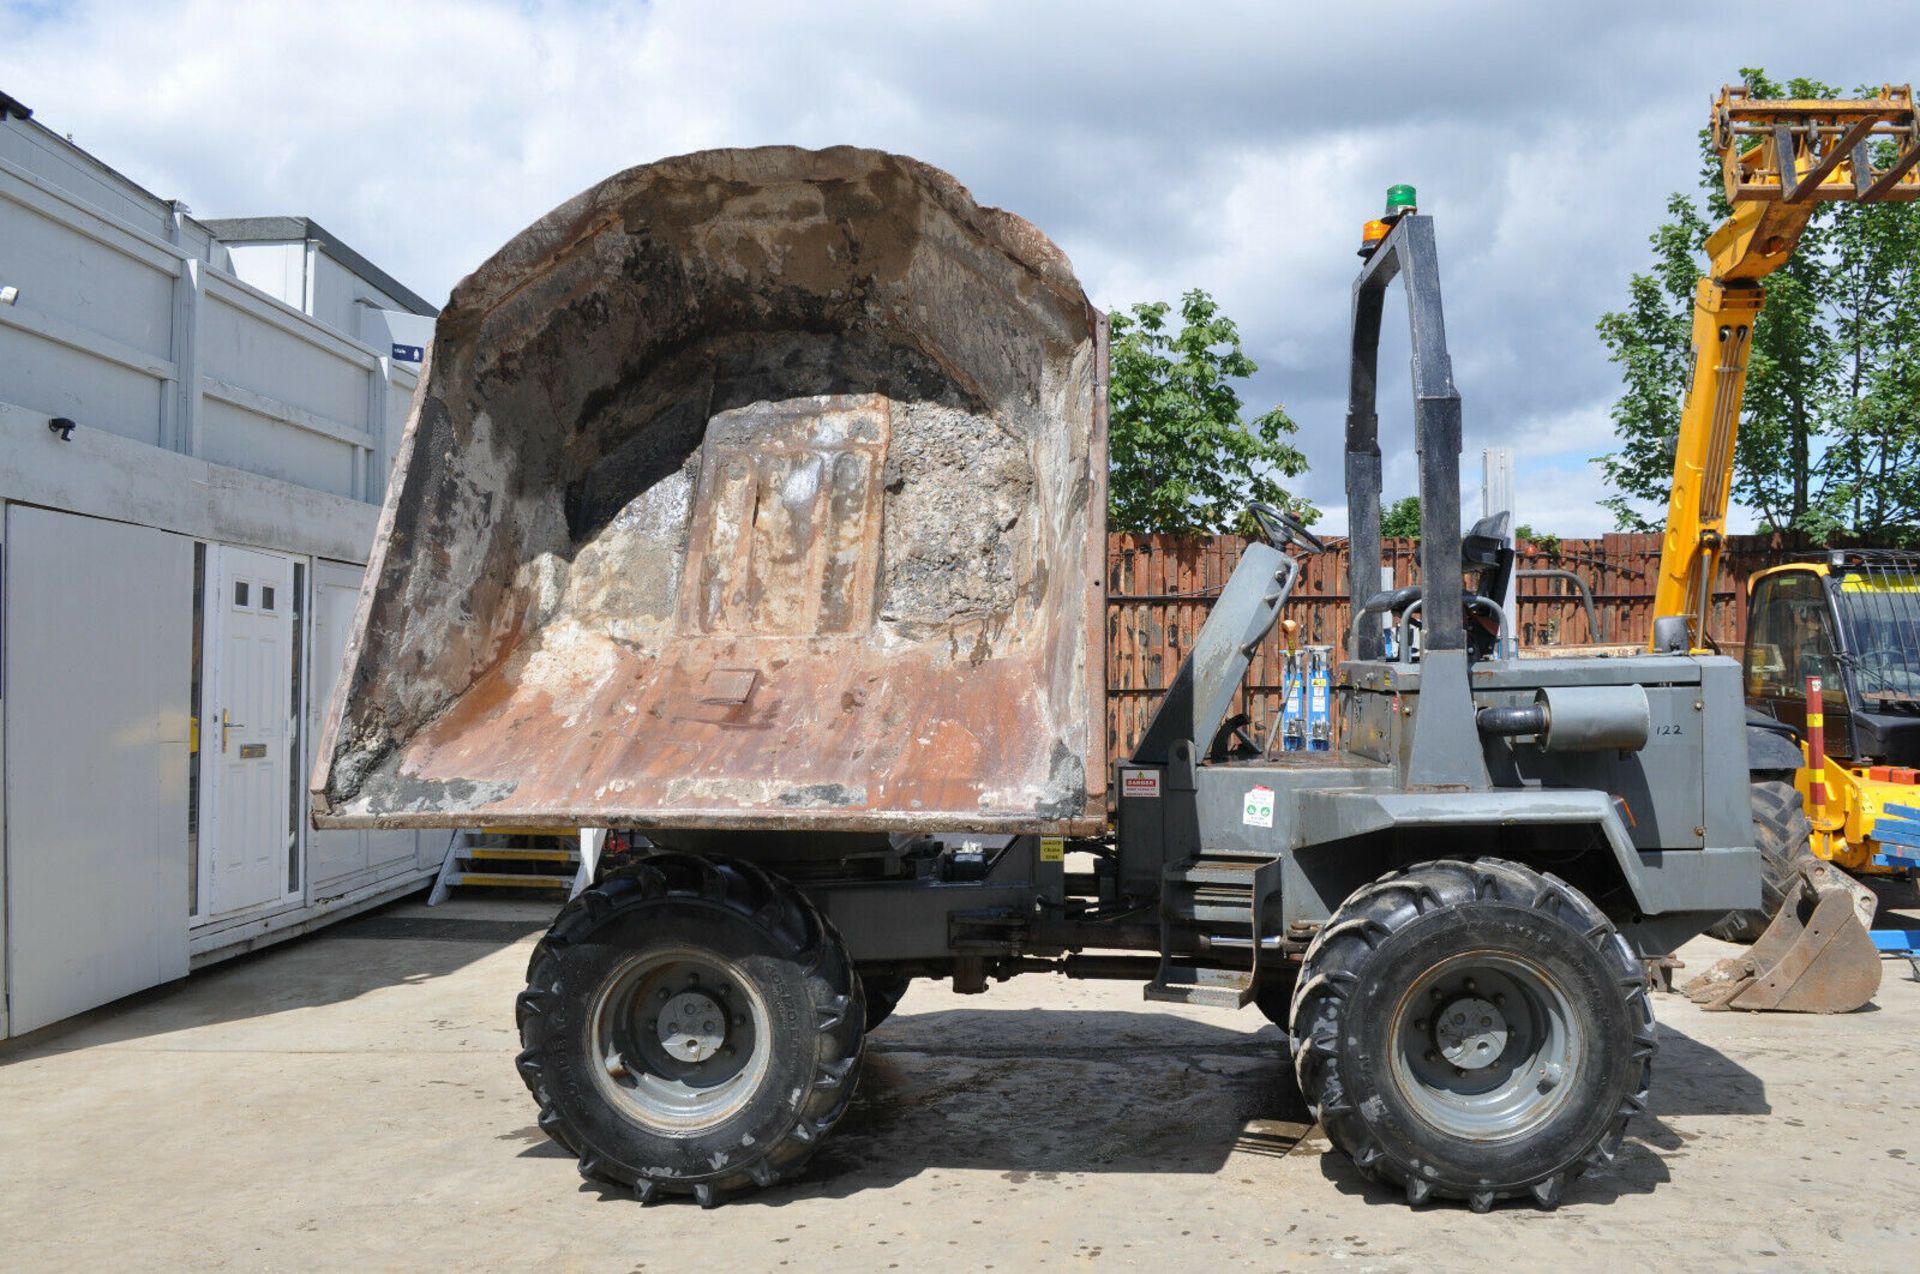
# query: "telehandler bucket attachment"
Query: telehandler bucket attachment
{"points": [[1816, 956]]}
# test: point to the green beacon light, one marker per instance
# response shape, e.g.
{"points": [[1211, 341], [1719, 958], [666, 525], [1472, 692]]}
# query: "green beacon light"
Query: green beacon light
{"points": [[1401, 200]]}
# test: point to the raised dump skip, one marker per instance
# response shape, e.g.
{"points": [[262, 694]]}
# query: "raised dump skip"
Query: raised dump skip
{"points": [[753, 488]]}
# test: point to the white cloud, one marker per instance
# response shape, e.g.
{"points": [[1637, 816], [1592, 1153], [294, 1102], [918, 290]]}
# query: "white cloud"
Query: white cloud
{"points": [[1233, 146]]}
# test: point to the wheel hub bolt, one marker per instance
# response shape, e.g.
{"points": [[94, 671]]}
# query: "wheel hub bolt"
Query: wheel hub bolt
{"points": [[692, 1027], [1471, 1034]]}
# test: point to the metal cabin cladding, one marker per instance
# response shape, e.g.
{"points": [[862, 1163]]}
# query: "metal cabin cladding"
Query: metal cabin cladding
{"points": [[855, 734]]}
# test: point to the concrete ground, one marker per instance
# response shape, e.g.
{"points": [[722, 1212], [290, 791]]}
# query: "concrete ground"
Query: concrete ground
{"points": [[349, 1102]]}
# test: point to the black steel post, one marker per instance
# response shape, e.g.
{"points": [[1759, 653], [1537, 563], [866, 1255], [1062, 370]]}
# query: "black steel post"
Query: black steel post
{"points": [[1363, 461], [1446, 750], [1408, 253]]}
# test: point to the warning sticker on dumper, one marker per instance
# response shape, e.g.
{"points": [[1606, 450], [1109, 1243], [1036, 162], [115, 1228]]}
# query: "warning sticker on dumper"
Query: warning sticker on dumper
{"points": [[1053, 849], [1259, 806], [1140, 783]]}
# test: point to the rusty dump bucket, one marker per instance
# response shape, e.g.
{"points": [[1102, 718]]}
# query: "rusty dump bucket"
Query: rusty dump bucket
{"points": [[1816, 956], [749, 489]]}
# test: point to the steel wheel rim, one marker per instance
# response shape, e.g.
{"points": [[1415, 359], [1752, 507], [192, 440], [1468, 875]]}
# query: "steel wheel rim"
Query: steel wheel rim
{"points": [[1485, 1046], [698, 1074]]}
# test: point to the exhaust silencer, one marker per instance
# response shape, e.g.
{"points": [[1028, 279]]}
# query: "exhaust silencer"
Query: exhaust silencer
{"points": [[1576, 719]]}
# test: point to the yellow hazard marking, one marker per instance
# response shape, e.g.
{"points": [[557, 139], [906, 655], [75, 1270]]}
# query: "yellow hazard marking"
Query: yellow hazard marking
{"points": [[524, 855], [1816, 718], [505, 881], [1880, 584], [1053, 849]]}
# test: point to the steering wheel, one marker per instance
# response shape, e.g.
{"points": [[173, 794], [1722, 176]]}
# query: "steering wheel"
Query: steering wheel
{"points": [[1280, 528]]}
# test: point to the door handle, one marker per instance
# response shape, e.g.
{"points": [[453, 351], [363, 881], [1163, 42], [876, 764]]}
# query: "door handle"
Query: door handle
{"points": [[226, 725]]}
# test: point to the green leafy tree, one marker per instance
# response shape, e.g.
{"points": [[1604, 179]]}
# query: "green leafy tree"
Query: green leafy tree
{"points": [[1869, 471], [1546, 541], [1183, 459], [1830, 425], [1401, 519], [1651, 341]]}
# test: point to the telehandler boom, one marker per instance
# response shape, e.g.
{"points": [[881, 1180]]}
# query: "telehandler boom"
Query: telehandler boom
{"points": [[1780, 159]]}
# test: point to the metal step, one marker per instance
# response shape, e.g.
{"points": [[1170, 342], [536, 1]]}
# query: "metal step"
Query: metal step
{"points": [[567, 867], [510, 880], [1215, 988], [1208, 901], [1238, 874], [1211, 912], [1251, 857], [1206, 892], [492, 854]]}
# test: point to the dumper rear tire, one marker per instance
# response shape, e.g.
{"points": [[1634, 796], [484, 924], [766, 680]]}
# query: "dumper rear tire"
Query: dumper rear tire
{"points": [[691, 1026], [1473, 1030], [1783, 833]]}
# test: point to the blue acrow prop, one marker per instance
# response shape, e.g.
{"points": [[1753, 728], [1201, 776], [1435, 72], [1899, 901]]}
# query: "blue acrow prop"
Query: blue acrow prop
{"points": [[1293, 712], [1319, 714]]}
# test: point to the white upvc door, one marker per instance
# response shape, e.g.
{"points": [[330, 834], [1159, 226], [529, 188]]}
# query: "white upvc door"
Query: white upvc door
{"points": [[249, 841], [341, 861]]}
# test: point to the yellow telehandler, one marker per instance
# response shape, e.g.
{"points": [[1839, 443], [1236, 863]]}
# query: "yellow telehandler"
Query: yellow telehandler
{"points": [[1832, 651]]}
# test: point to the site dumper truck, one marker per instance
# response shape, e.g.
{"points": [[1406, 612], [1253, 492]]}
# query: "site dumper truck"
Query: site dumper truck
{"points": [[754, 501]]}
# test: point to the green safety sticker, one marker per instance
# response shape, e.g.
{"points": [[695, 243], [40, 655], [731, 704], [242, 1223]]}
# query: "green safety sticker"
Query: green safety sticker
{"points": [[1259, 806]]}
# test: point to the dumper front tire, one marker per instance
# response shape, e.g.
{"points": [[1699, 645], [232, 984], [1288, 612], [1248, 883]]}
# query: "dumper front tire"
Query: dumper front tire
{"points": [[1472, 1030], [691, 1026], [1783, 833]]}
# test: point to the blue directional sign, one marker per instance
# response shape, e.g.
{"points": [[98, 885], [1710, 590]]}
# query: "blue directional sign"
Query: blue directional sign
{"points": [[409, 353]]}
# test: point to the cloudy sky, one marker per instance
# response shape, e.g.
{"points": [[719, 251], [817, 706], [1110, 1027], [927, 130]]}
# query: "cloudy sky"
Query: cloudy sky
{"points": [[1234, 147]]}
